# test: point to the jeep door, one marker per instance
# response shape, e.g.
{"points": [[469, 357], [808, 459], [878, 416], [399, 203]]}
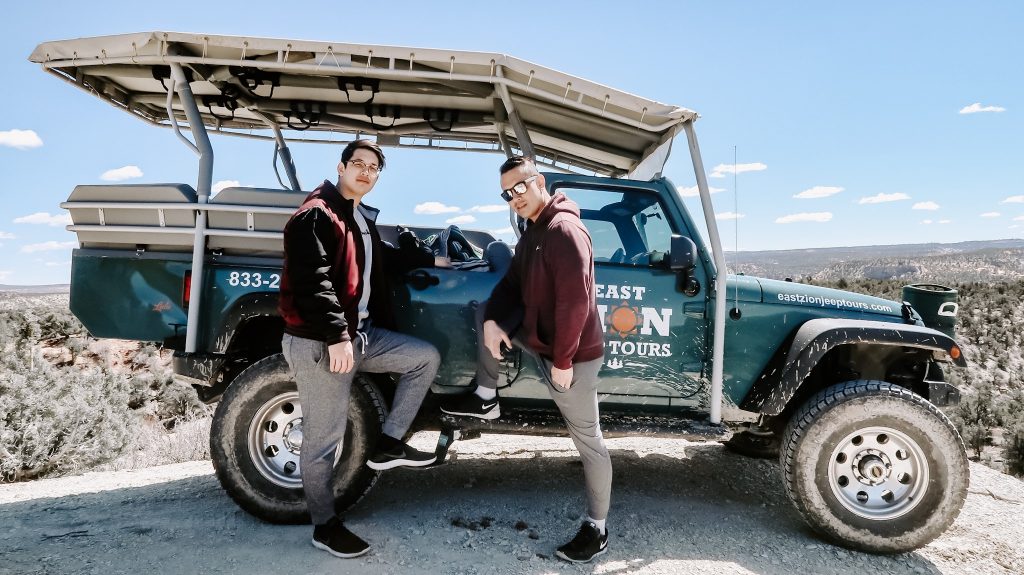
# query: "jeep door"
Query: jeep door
{"points": [[655, 337]]}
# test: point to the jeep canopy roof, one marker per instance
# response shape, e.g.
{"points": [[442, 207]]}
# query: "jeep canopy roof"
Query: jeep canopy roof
{"points": [[409, 97]]}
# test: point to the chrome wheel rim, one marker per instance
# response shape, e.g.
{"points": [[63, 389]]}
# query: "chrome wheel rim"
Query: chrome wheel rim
{"points": [[275, 440], [878, 473]]}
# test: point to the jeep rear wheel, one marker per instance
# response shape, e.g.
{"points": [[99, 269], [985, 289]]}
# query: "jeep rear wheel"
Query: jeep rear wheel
{"points": [[256, 438], [874, 467]]}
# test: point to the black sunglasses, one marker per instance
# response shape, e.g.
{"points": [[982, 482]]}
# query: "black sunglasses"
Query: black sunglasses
{"points": [[519, 189]]}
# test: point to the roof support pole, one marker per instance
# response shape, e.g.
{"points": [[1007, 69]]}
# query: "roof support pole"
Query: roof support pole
{"points": [[525, 144], [718, 345], [205, 151], [282, 148]]}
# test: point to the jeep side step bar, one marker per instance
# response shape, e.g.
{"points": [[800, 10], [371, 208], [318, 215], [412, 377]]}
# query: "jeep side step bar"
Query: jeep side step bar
{"points": [[549, 423]]}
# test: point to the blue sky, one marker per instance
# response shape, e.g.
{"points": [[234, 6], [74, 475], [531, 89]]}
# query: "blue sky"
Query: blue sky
{"points": [[850, 121]]}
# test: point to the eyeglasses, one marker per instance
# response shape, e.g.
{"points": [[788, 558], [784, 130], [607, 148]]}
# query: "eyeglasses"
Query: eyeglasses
{"points": [[371, 169], [519, 189]]}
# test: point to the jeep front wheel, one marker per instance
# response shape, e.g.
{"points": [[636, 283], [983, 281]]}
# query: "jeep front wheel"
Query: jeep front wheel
{"points": [[256, 439], [874, 467]]}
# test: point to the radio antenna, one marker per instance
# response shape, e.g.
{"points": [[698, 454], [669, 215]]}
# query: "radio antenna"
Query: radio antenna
{"points": [[736, 221]]}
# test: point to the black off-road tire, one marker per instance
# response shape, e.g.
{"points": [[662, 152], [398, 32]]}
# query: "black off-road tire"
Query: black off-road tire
{"points": [[874, 467], [264, 397]]}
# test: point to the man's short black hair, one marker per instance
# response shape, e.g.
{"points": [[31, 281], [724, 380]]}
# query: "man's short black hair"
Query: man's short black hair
{"points": [[516, 161], [350, 150]]}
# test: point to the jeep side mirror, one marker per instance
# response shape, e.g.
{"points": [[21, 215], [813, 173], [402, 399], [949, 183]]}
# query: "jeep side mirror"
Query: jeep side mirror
{"points": [[682, 260], [683, 256]]}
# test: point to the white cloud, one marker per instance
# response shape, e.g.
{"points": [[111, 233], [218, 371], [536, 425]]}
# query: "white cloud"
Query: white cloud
{"points": [[221, 184], [48, 246], [926, 222], [730, 216], [460, 220], [20, 139], [1013, 200], [58, 264], [1019, 219], [925, 206], [991, 215], [819, 192], [805, 217], [882, 198], [125, 173], [502, 231], [45, 218], [721, 170], [6, 236], [977, 107], [489, 209], [4, 274], [433, 208], [945, 221], [693, 192]]}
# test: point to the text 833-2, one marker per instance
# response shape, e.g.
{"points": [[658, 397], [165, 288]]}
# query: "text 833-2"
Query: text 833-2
{"points": [[254, 279]]}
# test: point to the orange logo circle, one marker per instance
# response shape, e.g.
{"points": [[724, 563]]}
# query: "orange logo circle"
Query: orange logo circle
{"points": [[623, 320]]}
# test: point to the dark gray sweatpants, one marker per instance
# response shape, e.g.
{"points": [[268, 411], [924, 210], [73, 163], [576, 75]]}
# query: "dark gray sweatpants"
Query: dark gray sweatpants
{"points": [[324, 398], [579, 409]]}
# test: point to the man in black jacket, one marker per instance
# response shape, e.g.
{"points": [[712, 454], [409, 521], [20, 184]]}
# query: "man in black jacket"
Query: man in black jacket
{"points": [[338, 320]]}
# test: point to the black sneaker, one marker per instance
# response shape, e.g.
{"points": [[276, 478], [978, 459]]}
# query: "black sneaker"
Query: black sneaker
{"points": [[587, 544], [336, 539], [400, 456], [472, 405]]}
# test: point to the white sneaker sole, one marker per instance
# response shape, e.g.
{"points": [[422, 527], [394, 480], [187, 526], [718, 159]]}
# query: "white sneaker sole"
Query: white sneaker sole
{"points": [[399, 463], [562, 556], [492, 414], [320, 545]]}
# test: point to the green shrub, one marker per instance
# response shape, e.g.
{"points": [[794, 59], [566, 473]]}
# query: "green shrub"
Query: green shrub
{"points": [[1013, 446], [57, 417], [975, 417], [58, 420]]}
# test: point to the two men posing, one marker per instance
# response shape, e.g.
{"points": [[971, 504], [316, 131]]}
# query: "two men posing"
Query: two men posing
{"points": [[334, 301]]}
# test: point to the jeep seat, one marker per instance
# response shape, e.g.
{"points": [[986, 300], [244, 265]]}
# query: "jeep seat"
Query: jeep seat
{"points": [[499, 255], [124, 224], [242, 220]]}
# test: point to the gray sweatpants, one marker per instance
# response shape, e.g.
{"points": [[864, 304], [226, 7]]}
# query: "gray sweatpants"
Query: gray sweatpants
{"points": [[324, 398], [579, 409]]}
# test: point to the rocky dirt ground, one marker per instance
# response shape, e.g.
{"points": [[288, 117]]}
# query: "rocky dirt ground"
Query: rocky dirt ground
{"points": [[501, 506]]}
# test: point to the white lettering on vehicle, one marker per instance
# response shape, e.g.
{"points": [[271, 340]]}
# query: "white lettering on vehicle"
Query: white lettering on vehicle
{"points": [[254, 280], [623, 321], [612, 291], [832, 302]]}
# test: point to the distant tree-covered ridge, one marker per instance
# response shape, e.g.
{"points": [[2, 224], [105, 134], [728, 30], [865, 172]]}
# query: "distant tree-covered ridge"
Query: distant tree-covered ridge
{"points": [[988, 261]]}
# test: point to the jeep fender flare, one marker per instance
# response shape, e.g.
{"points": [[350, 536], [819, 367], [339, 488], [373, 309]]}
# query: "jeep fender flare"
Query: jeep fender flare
{"points": [[245, 308], [203, 368], [815, 338]]}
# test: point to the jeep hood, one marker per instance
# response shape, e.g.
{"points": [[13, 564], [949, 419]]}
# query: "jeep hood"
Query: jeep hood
{"points": [[803, 295]]}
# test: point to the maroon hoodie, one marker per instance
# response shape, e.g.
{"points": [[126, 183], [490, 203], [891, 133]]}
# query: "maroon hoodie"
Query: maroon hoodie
{"points": [[551, 280]]}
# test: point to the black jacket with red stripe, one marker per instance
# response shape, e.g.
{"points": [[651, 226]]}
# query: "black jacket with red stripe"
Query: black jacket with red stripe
{"points": [[324, 257]]}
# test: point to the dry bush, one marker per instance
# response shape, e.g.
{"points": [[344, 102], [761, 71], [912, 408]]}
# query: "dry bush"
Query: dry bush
{"points": [[61, 417], [154, 445], [58, 420]]}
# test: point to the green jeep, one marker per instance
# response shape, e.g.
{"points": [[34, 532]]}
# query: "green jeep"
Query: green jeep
{"points": [[843, 386]]}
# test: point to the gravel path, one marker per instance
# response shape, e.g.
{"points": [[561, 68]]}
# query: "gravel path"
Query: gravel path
{"points": [[500, 507]]}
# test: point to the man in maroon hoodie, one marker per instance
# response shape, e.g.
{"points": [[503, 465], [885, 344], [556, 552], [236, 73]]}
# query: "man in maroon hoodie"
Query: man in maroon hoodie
{"points": [[337, 313], [546, 306]]}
